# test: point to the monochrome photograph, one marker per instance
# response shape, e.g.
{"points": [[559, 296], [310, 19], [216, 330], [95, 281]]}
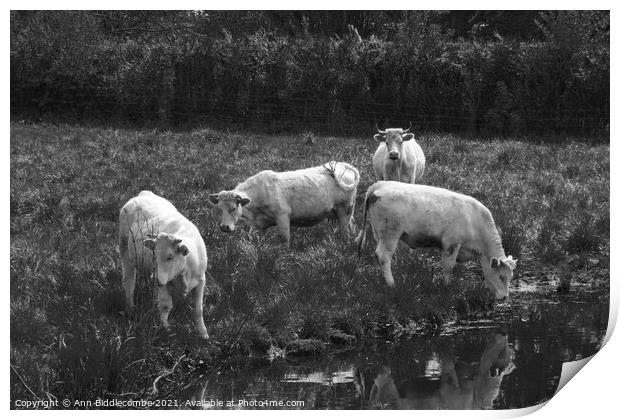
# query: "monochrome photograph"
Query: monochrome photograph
{"points": [[306, 209]]}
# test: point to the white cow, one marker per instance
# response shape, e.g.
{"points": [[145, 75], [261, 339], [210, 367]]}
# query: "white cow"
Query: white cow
{"points": [[425, 216], [462, 386], [299, 198], [399, 157], [153, 232]]}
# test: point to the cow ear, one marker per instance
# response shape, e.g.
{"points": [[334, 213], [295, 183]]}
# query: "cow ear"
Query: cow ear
{"points": [[510, 262], [150, 243], [244, 201], [183, 250], [408, 136], [495, 262], [214, 198], [379, 137]]}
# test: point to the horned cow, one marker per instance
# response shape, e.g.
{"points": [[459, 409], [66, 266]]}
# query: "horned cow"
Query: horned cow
{"points": [[425, 216], [299, 198], [153, 232], [399, 157]]}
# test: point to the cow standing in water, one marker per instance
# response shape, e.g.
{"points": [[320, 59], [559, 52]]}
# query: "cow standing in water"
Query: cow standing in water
{"points": [[298, 198], [423, 217], [151, 228], [399, 157]]}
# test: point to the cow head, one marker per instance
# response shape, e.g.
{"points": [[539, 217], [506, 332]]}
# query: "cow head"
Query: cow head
{"points": [[498, 275], [394, 138], [383, 392], [496, 362], [231, 205], [170, 253], [497, 355]]}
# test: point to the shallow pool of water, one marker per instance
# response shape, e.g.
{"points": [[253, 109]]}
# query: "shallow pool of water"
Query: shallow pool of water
{"points": [[513, 360]]}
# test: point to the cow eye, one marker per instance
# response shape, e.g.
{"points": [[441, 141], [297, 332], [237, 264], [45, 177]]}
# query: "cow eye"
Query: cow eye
{"points": [[170, 257]]}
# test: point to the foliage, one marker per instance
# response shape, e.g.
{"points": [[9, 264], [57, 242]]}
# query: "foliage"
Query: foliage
{"points": [[328, 71]]}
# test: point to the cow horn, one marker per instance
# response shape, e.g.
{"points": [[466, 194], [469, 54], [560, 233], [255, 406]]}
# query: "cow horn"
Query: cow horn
{"points": [[377, 127], [407, 130]]}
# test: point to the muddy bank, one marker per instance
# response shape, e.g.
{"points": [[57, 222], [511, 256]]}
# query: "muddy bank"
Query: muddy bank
{"points": [[512, 359]]}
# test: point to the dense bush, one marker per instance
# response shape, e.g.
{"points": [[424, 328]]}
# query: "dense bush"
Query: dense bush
{"points": [[72, 65]]}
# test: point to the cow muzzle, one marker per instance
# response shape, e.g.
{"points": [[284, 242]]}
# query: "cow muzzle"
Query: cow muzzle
{"points": [[227, 228], [501, 297], [393, 155]]}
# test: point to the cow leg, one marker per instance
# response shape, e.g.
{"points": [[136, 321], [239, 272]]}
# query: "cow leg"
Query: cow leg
{"points": [[129, 274], [198, 293], [164, 304], [448, 259], [345, 220], [379, 172], [283, 223], [449, 372], [129, 285], [385, 250]]}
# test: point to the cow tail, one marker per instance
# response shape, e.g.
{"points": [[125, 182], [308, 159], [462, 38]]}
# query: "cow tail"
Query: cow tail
{"points": [[361, 238]]}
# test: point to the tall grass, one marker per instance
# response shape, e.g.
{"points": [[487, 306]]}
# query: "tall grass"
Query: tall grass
{"points": [[71, 339]]}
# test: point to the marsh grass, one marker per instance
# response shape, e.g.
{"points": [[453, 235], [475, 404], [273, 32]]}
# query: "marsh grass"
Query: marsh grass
{"points": [[71, 339]]}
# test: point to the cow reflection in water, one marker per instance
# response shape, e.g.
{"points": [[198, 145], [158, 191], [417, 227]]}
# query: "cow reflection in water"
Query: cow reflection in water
{"points": [[462, 386]]}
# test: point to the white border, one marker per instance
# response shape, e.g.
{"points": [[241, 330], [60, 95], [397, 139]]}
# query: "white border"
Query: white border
{"points": [[592, 395]]}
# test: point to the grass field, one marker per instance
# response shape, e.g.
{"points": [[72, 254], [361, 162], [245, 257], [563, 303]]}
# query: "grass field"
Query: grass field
{"points": [[69, 338]]}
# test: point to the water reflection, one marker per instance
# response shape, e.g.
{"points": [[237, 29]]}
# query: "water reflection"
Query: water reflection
{"points": [[462, 385], [470, 365]]}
